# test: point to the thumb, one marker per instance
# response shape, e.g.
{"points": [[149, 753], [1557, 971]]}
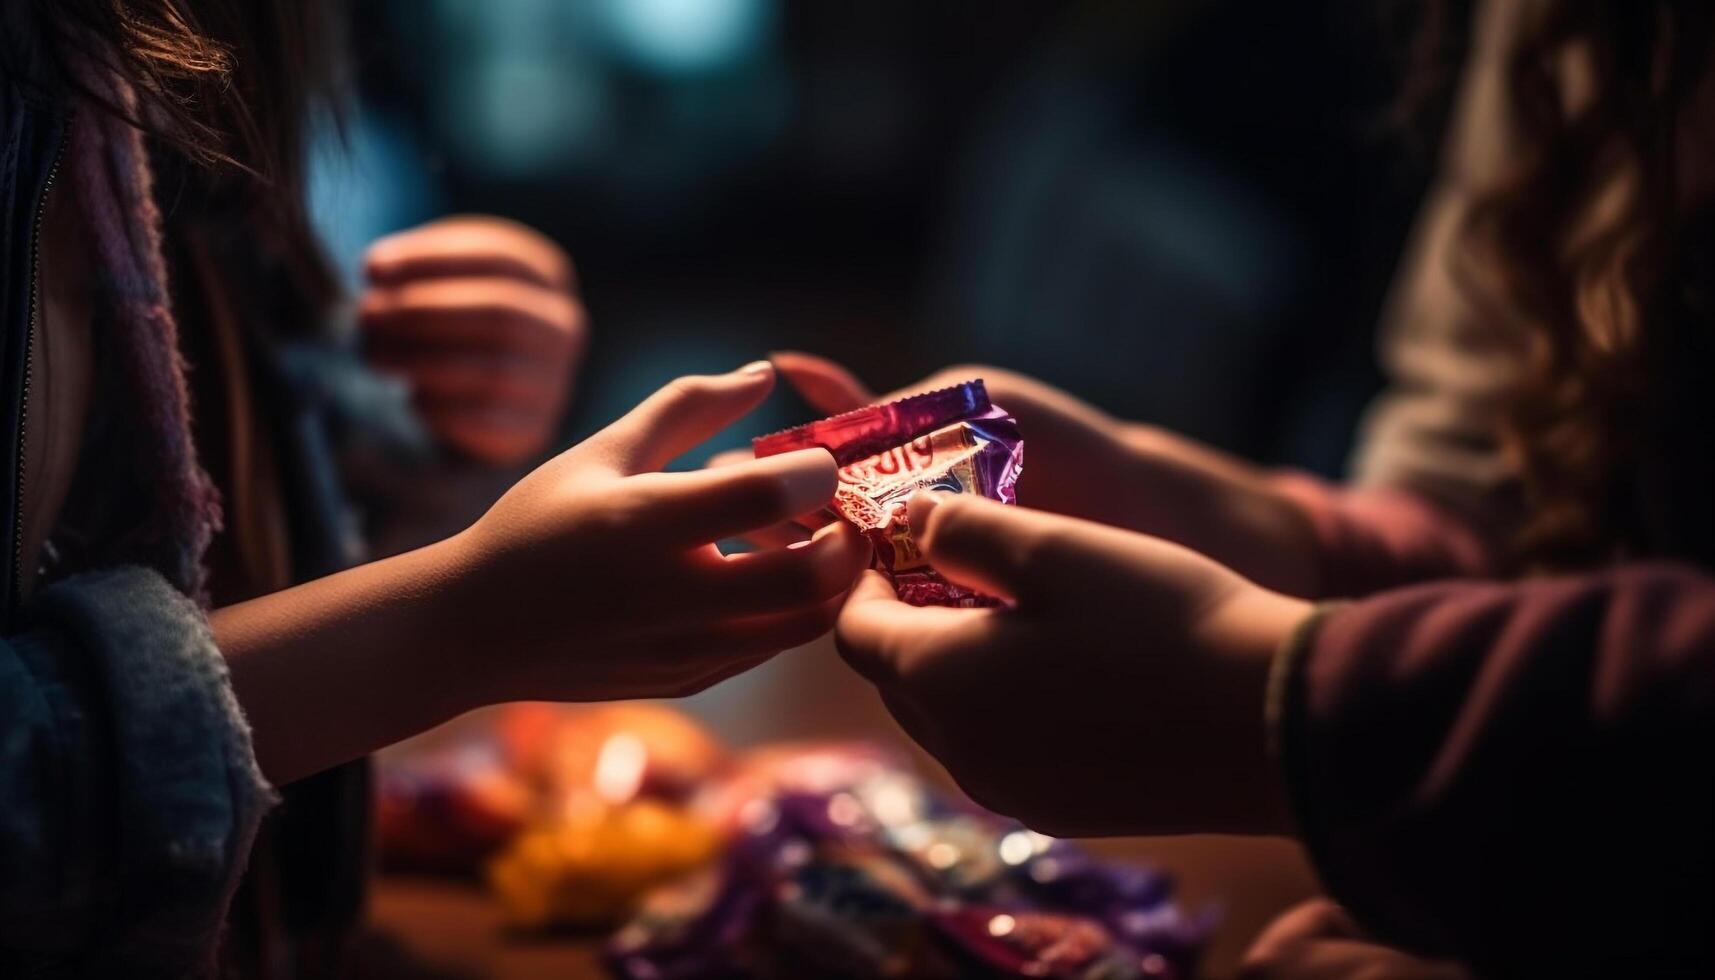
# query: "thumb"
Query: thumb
{"points": [[985, 545], [827, 386], [680, 415]]}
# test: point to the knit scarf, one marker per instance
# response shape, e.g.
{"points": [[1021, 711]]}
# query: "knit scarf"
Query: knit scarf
{"points": [[107, 160]]}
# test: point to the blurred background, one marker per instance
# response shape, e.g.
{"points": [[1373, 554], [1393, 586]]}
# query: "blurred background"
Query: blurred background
{"points": [[1185, 211]]}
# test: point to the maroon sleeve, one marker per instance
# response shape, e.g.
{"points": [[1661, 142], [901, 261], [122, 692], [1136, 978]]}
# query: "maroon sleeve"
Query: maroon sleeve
{"points": [[1520, 775], [1374, 538]]}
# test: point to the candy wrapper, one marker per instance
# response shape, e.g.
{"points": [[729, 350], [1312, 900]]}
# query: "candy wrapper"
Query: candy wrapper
{"points": [[953, 440], [839, 862]]}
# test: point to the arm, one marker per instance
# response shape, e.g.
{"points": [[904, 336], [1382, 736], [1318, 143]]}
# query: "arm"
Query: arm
{"points": [[1519, 775], [130, 787], [1288, 531]]}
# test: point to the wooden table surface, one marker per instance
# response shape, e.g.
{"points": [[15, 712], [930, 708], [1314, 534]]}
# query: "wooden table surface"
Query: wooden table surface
{"points": [[437, 930]]}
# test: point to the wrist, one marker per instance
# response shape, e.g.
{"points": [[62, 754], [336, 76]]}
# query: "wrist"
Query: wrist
{"points": [[335, 668], [1218, 505], [452, 624], [1246, 635]]}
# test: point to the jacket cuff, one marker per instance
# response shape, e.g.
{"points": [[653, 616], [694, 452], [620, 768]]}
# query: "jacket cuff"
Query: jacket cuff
{"points": [[187, 791]]}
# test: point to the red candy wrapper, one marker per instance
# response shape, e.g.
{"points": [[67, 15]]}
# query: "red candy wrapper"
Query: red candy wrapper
{"points": [[951, 441]]}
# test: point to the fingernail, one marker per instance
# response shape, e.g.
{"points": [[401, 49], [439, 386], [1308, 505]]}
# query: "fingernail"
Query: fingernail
{"points": [[806, 476], [756, 368]]}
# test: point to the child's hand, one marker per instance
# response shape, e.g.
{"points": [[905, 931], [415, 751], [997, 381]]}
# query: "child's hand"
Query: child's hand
{"points": [[1123, 694], [1081, 462], [597, 577], [482, 317]]}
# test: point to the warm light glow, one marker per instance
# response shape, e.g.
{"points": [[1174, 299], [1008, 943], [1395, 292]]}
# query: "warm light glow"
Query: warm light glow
{"points": [[893, 804], [942, 856], [619, 767], [844, 809], [1002, 925], [1015, 848]]}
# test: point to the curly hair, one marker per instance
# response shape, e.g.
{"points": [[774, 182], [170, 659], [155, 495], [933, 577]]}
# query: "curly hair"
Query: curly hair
{"points": [[1587, 240]]}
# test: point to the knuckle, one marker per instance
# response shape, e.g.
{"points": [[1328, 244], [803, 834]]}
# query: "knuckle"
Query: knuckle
{"points": [[608, 514], [685, 389]]}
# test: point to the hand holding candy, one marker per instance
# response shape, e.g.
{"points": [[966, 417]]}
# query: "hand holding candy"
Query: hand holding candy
{"points": [[1086, 463], [1122, 694], [604, 574], [593, 578], [482, 317]]}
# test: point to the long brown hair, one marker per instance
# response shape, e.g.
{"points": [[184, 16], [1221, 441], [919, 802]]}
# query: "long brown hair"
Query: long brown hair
{"points": [[228, 86], [1585, 239]]}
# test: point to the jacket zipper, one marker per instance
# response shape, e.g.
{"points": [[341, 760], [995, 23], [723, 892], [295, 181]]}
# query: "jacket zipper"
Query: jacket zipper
{"points": [[29, 357]]}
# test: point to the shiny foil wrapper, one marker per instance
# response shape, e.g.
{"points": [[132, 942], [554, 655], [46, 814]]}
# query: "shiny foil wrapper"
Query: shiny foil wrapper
{"points": [[842, 863], [953, 440]]}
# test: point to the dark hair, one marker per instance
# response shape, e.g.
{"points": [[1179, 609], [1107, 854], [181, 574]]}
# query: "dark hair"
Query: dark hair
{"points": [[1583, 239], [228, 85]]}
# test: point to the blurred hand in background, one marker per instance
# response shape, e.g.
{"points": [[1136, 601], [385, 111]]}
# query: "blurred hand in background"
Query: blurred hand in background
{"points": [[481, 316]]}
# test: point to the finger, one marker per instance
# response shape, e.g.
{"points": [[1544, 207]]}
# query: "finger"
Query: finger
{"points": [[470, 247], [983, 544], [1041, 559], [776, 536], [831, 388], [483, 313], [1313, 920], [805, 573], [877, 634], [798, 529], [765, 636], [704, 506], [729, 457], [684, 413], [827, 386]]}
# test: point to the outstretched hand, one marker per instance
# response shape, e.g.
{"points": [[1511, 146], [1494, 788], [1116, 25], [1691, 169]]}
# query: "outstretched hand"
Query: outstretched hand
{"points": [[1121, 693], [603, 573]]}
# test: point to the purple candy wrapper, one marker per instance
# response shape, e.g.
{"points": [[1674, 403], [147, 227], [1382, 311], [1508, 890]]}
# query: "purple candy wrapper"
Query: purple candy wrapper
{"points": [[953, 440]]}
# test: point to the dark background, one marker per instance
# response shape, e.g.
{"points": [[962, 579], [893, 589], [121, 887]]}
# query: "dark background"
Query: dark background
{"points": [[1186, 212]]}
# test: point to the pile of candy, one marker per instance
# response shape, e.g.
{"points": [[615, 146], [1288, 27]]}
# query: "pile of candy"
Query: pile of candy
{"points": [[783, 862]]}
